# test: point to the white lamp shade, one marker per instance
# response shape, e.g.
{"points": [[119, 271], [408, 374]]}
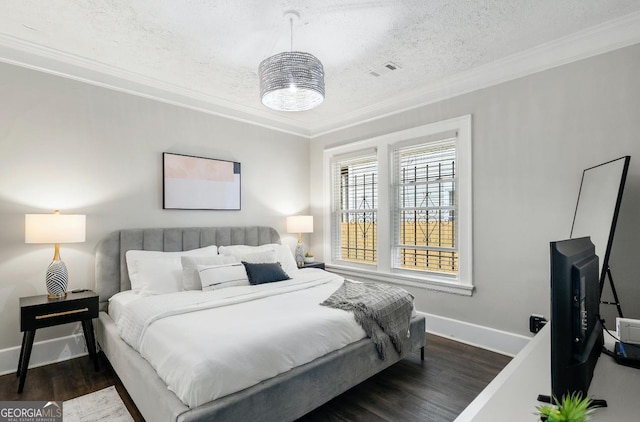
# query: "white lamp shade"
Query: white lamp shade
{"points": [[300, 224], [54, 228]]}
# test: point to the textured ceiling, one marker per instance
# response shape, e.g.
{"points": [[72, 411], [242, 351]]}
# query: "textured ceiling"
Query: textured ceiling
{"points": [[213, 48]]}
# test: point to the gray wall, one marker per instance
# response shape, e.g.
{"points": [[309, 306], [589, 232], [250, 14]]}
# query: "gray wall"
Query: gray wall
{"points": [[532, 138], [84, 149], [88, 150]]}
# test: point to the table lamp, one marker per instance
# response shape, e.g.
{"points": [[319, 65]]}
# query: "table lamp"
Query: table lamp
{"points": [[300, 224], [55, 228]]}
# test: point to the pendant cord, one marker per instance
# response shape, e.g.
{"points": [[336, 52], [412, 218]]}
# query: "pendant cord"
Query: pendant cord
{"points": [[291, 30]]}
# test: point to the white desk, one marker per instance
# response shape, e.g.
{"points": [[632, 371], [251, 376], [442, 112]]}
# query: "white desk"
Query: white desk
{"points": [[512, 394]]}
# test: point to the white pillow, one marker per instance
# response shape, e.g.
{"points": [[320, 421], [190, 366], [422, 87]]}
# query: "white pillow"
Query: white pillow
{"points": [[214, 277], [286, 259], [263, 257], [155, 272], [190, 277], [283, 254], [244, 249]]}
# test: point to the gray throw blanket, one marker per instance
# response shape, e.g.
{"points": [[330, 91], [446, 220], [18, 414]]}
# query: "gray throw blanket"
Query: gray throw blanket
{"points": [[381, 310]]}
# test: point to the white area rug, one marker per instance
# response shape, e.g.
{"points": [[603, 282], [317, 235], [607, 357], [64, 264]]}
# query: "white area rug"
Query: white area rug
{"points": [[104, 405]]}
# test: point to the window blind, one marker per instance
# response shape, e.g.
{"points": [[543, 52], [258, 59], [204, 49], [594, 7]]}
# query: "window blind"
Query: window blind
{"points": [[355, 206], [424, 210]]}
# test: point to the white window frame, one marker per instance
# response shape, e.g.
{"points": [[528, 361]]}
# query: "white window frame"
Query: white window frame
{"points": [[462, 283]]}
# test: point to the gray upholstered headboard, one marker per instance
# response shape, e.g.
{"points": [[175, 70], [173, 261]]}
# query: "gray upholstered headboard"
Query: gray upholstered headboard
{"points": [[111, 267]]}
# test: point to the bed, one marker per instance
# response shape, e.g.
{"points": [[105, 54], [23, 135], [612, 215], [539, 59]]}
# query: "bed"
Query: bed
{"points": [[285, 396]]}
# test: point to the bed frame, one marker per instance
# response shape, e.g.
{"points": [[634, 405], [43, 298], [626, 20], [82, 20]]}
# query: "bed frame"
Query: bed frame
{"points": [[287, 396]]}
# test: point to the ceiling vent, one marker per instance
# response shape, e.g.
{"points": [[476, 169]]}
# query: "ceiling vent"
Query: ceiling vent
{"points": [[380, 70], [391, 66]]}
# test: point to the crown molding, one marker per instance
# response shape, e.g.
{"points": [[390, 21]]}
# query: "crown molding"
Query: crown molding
{"points": [[608, 36], [26, 54], [599, 39]]}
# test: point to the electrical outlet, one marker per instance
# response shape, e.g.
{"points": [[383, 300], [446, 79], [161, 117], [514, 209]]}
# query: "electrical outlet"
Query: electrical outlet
{"points": [[536, 322]]}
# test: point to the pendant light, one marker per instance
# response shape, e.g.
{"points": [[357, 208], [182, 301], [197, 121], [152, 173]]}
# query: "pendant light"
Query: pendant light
{"points": [[291, 80]]}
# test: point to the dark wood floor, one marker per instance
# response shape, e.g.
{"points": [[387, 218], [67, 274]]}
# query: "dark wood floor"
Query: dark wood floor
{"points": [[66, 380], [437, 389]]}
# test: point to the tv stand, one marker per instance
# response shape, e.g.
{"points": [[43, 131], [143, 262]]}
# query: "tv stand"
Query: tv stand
{"points": [[513, 392]]}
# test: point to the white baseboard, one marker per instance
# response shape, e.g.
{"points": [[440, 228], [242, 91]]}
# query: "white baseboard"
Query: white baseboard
{"points": [[44, 353], [487, 338]]}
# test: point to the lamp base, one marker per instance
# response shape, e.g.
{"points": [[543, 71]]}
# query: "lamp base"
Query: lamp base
{"points": [[57, 279], [299, 254]]}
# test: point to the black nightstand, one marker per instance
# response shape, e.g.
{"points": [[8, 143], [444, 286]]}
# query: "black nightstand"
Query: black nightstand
{"points": [[40, 311], [313, 265]]}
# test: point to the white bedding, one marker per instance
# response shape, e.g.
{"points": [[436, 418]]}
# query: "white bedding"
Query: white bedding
{"points": [[206, 345]]}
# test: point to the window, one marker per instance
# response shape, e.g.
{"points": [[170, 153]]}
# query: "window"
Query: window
{"points": [[355, 200], [401, 207], [424, 209]]}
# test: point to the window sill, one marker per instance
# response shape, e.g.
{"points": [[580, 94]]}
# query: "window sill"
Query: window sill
{"points": [[402, 279]]}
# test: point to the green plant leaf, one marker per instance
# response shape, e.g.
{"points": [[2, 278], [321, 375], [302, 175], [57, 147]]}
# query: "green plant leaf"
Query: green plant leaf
{"points": [[572, 408]]}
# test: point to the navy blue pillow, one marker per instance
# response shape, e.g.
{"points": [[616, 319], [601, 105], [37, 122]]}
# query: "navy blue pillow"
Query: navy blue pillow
{"points": [[265, 273]]}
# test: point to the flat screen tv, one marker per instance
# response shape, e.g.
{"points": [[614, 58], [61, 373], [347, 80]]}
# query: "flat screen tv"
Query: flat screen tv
{"points": [[576, 333]]}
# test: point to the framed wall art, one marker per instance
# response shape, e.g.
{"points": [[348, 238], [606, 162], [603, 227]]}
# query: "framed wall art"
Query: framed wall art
{"points": [[198, 183]]}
